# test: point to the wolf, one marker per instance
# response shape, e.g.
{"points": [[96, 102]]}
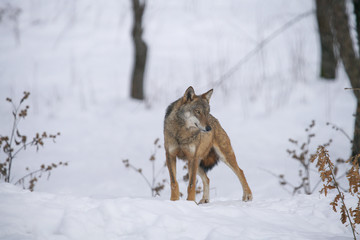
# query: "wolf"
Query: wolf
{"points": [[191, 133]]}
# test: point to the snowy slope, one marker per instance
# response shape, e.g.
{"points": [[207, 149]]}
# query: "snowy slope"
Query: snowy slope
{"points": [[75, 58], [47, 216]]}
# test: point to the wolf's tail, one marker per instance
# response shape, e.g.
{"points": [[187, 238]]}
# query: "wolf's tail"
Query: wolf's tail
{"points": [[210, 161]]}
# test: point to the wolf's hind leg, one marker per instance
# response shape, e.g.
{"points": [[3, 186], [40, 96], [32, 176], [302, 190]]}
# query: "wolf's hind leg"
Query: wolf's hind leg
{"points": [[205, 180], [227, 155], [171, 164], [247, 194]]}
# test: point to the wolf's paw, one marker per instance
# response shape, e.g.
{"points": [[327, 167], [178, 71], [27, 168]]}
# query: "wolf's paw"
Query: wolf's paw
{"points": [[247, 197], [202, 201]]}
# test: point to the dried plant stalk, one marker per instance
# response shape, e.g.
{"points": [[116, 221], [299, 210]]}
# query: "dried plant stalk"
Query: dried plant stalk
{"points": [[326, 170], [16, 142]]}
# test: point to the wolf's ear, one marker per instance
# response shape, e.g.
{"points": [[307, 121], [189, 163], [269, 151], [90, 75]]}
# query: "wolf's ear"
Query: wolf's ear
{"points": [[189, 94], [207, 95]]}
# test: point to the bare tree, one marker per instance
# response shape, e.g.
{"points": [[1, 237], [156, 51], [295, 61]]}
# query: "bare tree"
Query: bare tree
{"points": [[349, 58], [328, 57], [340, 31], [137, 78], [357, 20]]}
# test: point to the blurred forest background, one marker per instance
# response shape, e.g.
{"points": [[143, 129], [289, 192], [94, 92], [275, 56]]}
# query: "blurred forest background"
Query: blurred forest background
{"points": [[259, 57], [94, 79]]}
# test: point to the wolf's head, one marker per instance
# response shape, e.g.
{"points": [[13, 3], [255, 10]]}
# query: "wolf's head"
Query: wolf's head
{"points": [[195, 110]]}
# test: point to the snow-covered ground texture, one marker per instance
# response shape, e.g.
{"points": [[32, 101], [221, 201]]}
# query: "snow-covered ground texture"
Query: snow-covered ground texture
{"points": [[75, 57], [27, 215]]}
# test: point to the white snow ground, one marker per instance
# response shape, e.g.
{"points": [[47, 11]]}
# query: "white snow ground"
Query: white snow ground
{"points": [[49, 216], [75, 59]]}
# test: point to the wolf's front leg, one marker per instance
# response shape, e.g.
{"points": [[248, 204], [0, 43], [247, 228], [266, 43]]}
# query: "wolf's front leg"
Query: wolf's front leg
{"points": [[205, 180], [193, 167], [171, 164]]}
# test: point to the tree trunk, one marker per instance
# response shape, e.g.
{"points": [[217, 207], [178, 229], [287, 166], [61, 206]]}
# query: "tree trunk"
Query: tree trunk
{"points": [[328, 58], [137, 77], [357, 20], [356, 139], [351, 62]]}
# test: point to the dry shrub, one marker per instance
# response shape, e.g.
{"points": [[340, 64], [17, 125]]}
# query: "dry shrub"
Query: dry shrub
{"points": [[327, 173], [16, 142], [154, 184], [301, 153]]}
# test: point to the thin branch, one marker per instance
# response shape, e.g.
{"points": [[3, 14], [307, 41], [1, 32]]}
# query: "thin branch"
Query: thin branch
{"points": [[342, 175], [277, 176], [341, 130], [10, 156], [298, 188], [341, 196], [355, 89], [15, 127], [137, 170], [22, 147], [261, 45], [28, 175], [316, 185], [160, 170], [153, 174], [15, 124]]}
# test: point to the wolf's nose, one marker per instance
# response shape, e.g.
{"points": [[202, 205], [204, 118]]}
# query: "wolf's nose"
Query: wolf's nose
{"points": [[208, 128]]}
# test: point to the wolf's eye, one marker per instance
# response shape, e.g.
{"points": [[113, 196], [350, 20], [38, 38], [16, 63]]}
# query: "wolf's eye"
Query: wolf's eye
{"points": [[197, 111]]}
